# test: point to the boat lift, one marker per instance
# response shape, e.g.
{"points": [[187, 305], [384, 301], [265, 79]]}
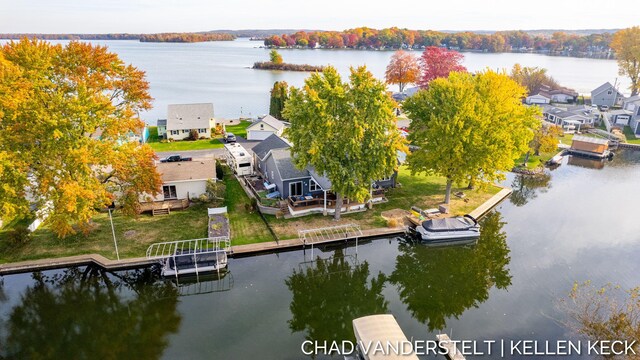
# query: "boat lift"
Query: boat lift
{"points": [[194, 251], [330, 234]]}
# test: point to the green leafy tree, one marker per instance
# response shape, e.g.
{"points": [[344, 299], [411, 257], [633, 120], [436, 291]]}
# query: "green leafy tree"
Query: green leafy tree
{"points": [[346, 131], [275, 57], [469, 128], [65, 115], [279, 96], [626, 44], [545, 139]]}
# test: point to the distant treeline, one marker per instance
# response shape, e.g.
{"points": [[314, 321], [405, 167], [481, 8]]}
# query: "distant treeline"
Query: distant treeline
{"points": [[268, 65], [186, 37], [164, 37], [395, 38]]}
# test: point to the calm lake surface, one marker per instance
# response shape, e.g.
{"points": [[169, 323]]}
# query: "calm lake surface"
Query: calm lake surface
{"points": [[220, 72], [578, 224]]}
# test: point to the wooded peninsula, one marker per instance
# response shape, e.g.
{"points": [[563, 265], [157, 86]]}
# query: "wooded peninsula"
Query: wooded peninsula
{"points": [[160, 37]]}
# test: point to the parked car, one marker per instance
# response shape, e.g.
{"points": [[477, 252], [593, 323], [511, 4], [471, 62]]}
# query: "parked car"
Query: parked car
{"points": [[229, 138], [604, 108], [175, 158]]}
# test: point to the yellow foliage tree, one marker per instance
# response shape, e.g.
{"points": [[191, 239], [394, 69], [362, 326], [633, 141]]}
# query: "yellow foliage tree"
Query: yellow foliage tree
{"points": [[626, 44], [65, 115], [403, 69]]}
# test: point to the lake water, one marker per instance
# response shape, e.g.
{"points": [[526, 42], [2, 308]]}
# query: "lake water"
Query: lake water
{"points": [[220, 72], [578, 224]]}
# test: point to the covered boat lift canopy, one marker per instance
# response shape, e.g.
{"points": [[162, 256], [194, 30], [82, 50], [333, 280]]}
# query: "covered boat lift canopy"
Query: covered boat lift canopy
{"points": [[383, 330]]}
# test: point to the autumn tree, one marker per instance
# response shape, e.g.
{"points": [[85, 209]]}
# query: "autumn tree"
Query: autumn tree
{"points": [[65, 112], [279, 96], [275, 57], [346, 131], [403, 69], [532, 78], [606, 312], [626, 44], [545, 139], [469, 128], [437, 62]]}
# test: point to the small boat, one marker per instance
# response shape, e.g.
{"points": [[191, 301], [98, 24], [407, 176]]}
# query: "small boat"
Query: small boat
{"points": [[194, 262], [461, 229]]}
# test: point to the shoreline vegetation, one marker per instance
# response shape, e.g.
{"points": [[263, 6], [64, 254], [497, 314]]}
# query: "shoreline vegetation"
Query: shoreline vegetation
{"points": [[159, 37], [595, 45], [269, 65]]}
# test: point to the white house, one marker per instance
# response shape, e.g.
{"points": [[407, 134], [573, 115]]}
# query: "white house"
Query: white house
{"points": [[185, 180], [539, 98], [182, 118], [264, 128]]}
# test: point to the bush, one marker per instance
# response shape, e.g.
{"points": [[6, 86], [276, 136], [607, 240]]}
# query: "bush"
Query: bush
{"points": [[219, 170], [193, 134], [19, 235]]}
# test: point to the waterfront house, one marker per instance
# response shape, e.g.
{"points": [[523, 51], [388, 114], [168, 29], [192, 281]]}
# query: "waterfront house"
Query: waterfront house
{"points": [[569, 118], [181, 182], [182, 118], [563, 95], [264, 128], [162, 128], [540, 96], [305, 191], [632, 108], [606, 94]]}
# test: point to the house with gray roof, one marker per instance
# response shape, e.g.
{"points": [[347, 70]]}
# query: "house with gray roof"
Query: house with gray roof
{"points": [[569, 118], [306, 190], [606, 94], [162, 128], [264, 128], [182, 118], [631, 106]]}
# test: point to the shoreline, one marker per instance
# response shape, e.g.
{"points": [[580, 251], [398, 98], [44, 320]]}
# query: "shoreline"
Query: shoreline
{"points": [[237, 251]]}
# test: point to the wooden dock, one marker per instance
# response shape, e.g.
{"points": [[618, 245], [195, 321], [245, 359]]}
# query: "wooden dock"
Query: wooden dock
{"points": [[79, 260], [488, 205], [447, 345]]}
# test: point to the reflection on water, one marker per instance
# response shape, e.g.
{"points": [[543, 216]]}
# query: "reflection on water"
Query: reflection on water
{"points": [[88, 313], [438, 283], [526, 187], [330, 293], [586, 162]]}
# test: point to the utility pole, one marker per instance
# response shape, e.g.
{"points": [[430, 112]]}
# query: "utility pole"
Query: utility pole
{"points": [[113, 232]]}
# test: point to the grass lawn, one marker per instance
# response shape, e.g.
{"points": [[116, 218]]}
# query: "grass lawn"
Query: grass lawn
{"points": [[631, 137], [185, 145], [566, 139], [134, 235], [421, 190], [247, 226], [536, 160]]}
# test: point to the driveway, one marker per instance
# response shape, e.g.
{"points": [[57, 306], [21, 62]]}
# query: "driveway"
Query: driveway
{"points": [[208, 154]]}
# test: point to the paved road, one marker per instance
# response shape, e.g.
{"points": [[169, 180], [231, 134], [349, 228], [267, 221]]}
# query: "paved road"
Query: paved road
{"points": [[207, 154]]}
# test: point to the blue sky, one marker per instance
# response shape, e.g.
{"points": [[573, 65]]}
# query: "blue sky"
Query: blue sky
{"points": [[146, 16]]}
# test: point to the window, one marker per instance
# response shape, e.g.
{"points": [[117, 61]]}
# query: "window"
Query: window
{"points": [[313, 185], [244, 165], [185, 131], [609, 92], [175, 132], [169, 192], [202, 131], [261, 126], [295, 189]]}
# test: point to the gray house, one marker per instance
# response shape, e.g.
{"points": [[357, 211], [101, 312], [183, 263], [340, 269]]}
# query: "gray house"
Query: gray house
{"points": [[261, 150], [606, 94], [162, 128], [632, 108], [182, 118]]}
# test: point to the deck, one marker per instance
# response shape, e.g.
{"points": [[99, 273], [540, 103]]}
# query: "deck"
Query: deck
{"points": [[175, 204]]}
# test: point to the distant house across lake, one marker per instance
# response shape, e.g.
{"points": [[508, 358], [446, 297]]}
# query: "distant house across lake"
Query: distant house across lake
{"points": [[182, 118]]}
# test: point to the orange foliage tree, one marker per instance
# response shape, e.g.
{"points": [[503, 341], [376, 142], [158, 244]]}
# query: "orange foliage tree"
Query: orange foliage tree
{"points": [[66, 114], [403, 69]]}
